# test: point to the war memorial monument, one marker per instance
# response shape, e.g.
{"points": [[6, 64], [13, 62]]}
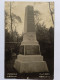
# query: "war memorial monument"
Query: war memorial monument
{"points": [[30, 59]]}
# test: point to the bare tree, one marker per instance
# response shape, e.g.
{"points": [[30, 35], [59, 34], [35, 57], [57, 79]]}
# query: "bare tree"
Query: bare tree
{"points": [[14, 18], [51, 12], [11, 20]]}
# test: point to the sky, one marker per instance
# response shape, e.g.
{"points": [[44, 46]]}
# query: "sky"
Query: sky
{"points": [[18, 8]]}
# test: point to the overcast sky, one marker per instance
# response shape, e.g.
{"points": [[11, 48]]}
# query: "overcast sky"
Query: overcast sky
{"points": [[18, 8]]}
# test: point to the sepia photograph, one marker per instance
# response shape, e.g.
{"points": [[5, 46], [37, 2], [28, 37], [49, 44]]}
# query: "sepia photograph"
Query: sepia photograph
{"points": [[29, 40]]}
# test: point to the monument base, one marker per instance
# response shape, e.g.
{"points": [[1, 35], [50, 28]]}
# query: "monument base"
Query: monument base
{"points": [[30, 64]]}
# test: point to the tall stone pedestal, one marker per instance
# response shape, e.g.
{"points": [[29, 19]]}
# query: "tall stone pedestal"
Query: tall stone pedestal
{"points": [[29, 45]]}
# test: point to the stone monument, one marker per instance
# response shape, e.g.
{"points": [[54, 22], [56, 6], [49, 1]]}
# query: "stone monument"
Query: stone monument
{"points": [[29, 45], [30, 60]]}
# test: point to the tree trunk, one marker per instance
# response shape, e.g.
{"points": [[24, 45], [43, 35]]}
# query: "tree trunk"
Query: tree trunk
{"points": [[51, 14]]}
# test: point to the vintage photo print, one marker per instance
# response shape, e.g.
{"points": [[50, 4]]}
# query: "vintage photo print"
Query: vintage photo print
{"points": [[29, 40]]}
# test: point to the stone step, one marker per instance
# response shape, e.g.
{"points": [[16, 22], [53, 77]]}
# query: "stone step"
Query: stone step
{"points": [[30, 57], [29, 42], [30, 67]]}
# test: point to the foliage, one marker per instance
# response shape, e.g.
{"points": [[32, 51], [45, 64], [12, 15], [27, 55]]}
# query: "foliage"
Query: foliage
{"points": [[51, 32], [16, 37], [11, 36], [36, 17], [42, 33]]}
